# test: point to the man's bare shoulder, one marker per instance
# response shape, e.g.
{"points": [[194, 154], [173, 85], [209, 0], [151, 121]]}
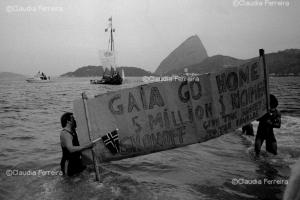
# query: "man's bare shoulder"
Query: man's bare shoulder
{"points": [[64, 135]]}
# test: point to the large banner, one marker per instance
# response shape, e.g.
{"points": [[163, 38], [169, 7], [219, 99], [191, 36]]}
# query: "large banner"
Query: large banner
{"points": [[164, 115]]}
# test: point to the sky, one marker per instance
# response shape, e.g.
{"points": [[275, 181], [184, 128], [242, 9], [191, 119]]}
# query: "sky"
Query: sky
{"points": [[59, 36]]}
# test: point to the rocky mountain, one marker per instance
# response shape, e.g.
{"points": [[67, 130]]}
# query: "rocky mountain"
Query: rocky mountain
{"points": [[11, 76], [190, 52], [98, 71]]}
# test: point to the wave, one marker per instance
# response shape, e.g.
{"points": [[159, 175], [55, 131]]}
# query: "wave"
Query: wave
{"points": [[23, 138]]}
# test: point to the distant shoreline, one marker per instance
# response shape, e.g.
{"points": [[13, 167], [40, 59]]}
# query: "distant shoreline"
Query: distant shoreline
{"points": [[284, 75], [270, 75]]}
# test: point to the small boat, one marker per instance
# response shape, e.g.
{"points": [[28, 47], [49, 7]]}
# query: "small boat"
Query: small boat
{"points": [[111, 77], [39, 78]]}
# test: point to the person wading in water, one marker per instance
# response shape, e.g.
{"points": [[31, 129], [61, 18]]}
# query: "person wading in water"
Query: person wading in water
{"points": [[71, 162], [265, 128]]}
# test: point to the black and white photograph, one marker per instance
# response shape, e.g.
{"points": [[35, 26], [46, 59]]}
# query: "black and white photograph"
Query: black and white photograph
{"points": [[150, 99]]}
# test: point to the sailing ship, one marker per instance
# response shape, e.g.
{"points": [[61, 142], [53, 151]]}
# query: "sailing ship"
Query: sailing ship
{"points": [[108, 58]]}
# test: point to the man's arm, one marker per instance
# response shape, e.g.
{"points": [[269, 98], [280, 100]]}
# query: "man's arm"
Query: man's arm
{"points": [[66, 141]]}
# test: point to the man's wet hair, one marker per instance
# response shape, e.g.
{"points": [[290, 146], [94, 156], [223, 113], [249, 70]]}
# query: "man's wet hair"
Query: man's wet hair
{"points": [[273, 101], [65, 118]]}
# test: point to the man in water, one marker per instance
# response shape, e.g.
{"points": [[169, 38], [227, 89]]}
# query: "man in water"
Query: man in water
{"points": [[71, 162], [265, 128]]}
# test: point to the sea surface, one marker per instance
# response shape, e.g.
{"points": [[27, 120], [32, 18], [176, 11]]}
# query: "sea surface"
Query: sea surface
{"points": [[221, 168]]}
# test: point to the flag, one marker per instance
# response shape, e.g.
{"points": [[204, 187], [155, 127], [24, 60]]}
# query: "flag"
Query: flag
{"points": [[111, 141], [110, 22]]}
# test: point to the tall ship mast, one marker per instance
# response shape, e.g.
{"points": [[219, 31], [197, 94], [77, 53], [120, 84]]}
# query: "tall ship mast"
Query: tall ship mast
{"points": [[108, 59], [111, 30]]}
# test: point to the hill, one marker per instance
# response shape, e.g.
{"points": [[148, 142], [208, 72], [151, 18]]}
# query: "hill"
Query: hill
{"points": [[192, 55], [285, 62], [281, 63], [134, 71], [190, 52], [11, 76], [210, 64], [98, 71], [85, 72]]}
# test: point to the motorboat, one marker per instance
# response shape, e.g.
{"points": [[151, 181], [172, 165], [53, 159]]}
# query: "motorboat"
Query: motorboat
{"points": [[39, 78]]}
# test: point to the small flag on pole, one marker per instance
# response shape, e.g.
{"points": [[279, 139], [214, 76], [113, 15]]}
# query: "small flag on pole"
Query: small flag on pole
{"points": [[110, 22], [111, 141]]}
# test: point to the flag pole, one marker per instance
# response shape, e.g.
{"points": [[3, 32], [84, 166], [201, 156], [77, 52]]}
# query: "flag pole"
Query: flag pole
{"points": [[111, 36], [95, 161], [266, 78]]}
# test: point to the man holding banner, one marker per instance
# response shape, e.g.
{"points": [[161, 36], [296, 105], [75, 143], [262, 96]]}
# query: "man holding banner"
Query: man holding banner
{"points": [[265, 128], [71, 163]]}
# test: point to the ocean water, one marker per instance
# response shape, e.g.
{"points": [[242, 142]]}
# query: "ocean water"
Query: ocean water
{"points": [[222, 168]]}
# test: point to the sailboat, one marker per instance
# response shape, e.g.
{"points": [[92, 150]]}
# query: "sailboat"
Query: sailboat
{"points": [[108, 59]]}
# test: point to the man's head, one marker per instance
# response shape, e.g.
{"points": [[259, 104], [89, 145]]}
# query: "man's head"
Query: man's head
{"points": [[67, 118], [273, 101]]}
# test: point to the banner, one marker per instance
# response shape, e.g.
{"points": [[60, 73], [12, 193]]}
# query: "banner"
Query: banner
{"points": [[165, 115]]}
